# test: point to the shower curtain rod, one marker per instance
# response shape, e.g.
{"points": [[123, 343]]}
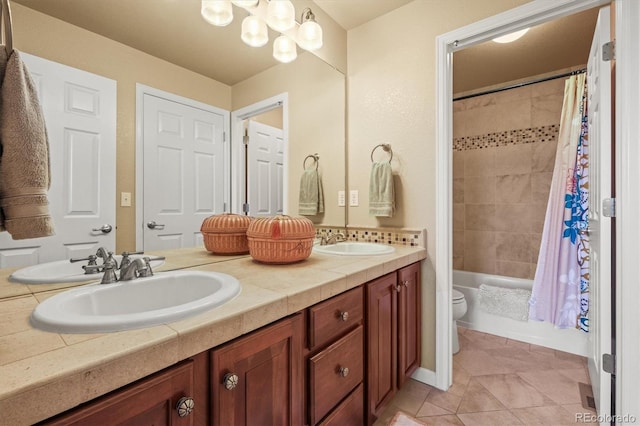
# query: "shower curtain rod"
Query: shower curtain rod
{"points": [[524, 83]]}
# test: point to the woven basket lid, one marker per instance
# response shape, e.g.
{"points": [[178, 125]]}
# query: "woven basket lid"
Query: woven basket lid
{"points": [[281, 227], [225, 223]]}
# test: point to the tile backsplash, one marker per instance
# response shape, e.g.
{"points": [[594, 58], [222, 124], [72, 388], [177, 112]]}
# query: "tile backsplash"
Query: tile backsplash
{"points": [[397, 236]]}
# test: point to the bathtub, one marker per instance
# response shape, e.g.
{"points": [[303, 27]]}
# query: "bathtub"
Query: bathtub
{"points": [[538, 333]]}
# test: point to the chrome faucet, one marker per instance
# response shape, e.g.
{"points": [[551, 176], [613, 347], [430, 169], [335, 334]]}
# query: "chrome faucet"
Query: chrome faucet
{"points": [[139, 267], [102, 253], [332, 238]]}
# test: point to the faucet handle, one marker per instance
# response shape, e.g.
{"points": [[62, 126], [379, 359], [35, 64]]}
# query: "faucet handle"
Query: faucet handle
{"points": [[109, 275], [110, 260], [91, 258]]}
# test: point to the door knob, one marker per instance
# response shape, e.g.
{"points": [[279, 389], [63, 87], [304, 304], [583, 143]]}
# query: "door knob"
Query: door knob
{"points": [[153, 225], [105, 229]]}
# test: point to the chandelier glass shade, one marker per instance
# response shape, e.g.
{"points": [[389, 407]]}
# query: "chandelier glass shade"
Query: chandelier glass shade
{"points": [[279, 15]]}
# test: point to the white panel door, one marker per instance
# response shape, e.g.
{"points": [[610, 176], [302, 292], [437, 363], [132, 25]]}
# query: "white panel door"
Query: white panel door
{"points": [[265, 171], [80, 113], [599, 91], [184, 171]]}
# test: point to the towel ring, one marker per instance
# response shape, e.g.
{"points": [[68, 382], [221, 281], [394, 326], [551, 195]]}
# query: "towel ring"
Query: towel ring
{"points": [[7, 30], [386, 148], [315, 157]]}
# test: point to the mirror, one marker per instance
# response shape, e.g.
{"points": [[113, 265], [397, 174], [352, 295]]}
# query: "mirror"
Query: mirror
{"points": [[316, 90]]}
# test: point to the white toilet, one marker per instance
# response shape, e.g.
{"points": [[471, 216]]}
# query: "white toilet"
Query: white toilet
{"points": [[459, 309]]}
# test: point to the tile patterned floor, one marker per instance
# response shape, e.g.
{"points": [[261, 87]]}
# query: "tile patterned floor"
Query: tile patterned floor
{"points": [[498, 381]]}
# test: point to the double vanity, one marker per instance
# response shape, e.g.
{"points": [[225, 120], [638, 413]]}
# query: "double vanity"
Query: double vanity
{"points": [[322, 341]]}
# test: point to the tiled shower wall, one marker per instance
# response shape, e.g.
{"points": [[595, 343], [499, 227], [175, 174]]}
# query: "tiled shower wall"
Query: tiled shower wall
{"points": [[504, 153]]}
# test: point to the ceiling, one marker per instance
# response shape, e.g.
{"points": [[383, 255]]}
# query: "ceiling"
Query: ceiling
{"points": [[174, 31], [352, 13], [556, 45]]}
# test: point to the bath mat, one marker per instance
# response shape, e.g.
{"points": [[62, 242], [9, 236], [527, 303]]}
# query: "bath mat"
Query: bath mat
{"points": [[586, 397], [506, 302], [402, 419]]}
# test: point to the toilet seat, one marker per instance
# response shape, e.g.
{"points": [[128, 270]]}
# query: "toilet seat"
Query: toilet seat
{"points": [[457, 296]]}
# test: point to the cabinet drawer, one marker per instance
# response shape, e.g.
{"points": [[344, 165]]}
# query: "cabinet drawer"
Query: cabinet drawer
{"points": [[335, 372], [349, 412], [331, 318]]}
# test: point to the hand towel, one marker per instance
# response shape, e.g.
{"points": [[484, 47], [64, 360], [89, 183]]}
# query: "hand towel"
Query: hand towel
{"points": [[311, 200], [24, 156], [381, 195]]}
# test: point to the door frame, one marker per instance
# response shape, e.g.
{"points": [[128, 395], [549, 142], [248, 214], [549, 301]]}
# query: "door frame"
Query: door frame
{"points": [[238, 153], [529, 14], [142, 90]]}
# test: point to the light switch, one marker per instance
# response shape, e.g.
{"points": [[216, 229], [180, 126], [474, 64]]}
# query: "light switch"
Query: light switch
{"points": [[353, 198], [341, 199], [125, 199]]}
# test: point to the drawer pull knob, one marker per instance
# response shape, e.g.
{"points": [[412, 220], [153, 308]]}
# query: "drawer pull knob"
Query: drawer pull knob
{"points": [[344, 371], [185, 406], [230, 381], [344, 316]]}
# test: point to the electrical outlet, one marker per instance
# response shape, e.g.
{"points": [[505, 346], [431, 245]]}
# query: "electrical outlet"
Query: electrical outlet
{"points": [[353, 198], [341, 199], [125, 199]]}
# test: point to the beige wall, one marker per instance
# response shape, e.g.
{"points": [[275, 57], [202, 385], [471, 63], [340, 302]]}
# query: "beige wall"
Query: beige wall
{"points": [[504, 152], [316, 94], [58, 41], [391, 99]]}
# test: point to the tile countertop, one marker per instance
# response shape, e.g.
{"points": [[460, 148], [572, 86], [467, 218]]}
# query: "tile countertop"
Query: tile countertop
{"points": [[43, 374]]}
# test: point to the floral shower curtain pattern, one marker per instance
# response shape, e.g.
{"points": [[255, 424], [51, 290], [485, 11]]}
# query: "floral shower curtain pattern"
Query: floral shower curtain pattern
{"points": [[560, 293]]}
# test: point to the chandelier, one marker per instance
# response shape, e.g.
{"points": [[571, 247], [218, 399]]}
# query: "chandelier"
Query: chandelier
{"points": [[279, 15]]}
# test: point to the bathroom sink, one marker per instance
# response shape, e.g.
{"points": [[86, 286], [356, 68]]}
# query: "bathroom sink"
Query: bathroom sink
{"points": [[348, 248], [142, 302], [63, 271]]}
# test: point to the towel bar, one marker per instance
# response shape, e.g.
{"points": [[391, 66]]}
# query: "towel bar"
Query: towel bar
{"points": [[386, 148], [315, 157]]}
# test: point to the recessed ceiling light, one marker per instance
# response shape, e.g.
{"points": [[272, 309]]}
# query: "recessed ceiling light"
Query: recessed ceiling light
{"points": [[511, 37]]}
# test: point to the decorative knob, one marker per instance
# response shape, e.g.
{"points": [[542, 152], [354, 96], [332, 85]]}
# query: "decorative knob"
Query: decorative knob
{"points": [[230, 381], [398, 287], [344, 315], [344, 371], [405, 283], [185, 406]]}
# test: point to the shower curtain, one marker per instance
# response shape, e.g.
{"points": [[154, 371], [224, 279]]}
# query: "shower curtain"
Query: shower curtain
{"points": [[560, 293]]}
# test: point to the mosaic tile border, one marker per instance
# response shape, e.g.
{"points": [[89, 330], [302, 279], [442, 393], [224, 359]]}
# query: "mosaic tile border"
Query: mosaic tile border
{"points": [[394, 236], [510, 137]]}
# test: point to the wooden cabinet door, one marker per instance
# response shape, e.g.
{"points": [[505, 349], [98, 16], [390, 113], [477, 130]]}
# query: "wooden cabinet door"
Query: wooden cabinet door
{"points": [[266, 367], [409, 321], [382, 342], [150, 401]]}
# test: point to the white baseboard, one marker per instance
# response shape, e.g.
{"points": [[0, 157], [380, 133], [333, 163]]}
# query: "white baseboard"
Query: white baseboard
{"points": [[425, 376]]}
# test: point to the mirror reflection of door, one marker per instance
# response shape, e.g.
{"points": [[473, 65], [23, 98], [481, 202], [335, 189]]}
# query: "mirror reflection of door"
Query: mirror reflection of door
{"points": [[264, 171], [184, 169], [80, 112]]}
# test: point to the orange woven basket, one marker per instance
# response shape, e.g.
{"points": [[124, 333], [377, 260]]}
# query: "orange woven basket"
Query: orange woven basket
{"points": [[280, 239], [226, 233]]}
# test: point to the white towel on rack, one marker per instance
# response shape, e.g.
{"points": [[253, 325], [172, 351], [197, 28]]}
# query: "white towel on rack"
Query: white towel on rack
{"points": [[311, 200], [381, 194]]}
